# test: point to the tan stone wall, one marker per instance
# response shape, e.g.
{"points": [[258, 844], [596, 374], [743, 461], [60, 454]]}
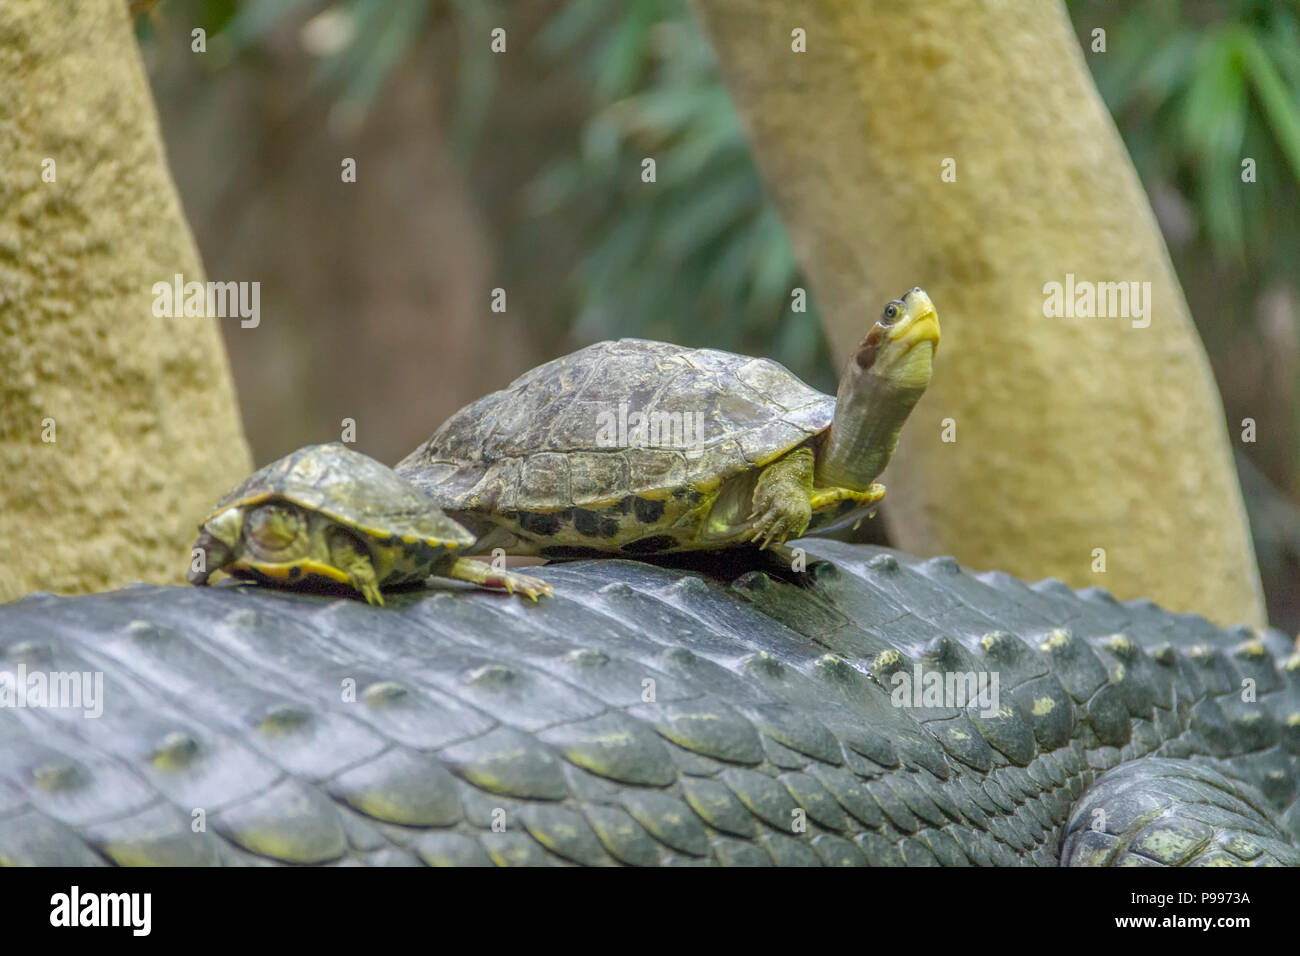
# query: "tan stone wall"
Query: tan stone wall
{"points": [[1072, 434], [146, 428]]}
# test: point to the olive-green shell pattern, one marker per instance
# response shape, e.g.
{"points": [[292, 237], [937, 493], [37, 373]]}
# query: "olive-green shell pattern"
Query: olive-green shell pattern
{"points": [[355, 490], [537, 445]]}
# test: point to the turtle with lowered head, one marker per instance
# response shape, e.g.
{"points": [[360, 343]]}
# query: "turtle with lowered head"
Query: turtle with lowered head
{"points": [[325, 513], [533, 468]]}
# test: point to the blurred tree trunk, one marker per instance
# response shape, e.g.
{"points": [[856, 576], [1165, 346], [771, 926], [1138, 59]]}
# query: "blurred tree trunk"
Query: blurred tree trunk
{"points": [[119, 429], [1077, 440], [381, 289]]}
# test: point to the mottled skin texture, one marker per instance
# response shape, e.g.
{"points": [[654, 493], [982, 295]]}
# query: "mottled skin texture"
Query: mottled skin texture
{"points": [[651, 716], [735, 450], [327, 514]]}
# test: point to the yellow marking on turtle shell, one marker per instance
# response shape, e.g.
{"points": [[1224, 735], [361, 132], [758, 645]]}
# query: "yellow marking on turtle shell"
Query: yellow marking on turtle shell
{"points": [[604, 504], [1293, 719], [1043, 705], [656, 494], [422, 539], [706, 485], [370, 531], [257, 498], [284, 571], [244, 503]]}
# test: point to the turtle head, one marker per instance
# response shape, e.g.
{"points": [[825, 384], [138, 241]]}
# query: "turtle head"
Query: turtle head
{"points": [[216, 545], [881, 384], [270, 532], [900, 347]]}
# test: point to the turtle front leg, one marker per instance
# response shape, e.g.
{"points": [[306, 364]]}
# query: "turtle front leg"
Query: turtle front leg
{"points": [[353, 560], [782, 508], [482, 573]]}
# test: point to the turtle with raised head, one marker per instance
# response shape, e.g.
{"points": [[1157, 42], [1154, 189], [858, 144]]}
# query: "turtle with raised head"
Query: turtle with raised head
{"points": [[637, 447], [326, 513]]}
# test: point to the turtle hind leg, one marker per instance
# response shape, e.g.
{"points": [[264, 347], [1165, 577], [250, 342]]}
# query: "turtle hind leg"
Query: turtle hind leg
{"points": [[782, 494], [482, 573], [354, 561], [1159, 812]]}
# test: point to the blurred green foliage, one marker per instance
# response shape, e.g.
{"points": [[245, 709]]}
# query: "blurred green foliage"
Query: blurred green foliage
{"points": [[700, 256], [1198, 87]]}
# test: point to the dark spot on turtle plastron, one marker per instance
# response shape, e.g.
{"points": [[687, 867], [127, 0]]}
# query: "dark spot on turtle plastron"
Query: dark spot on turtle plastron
{"points": [[593, 524], [647, 511], [295, 573], [652, 545], [544, 525]]}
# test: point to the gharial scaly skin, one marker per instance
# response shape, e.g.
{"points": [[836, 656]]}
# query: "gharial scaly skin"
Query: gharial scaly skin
{"points": [[649, 715], [529, 457]]}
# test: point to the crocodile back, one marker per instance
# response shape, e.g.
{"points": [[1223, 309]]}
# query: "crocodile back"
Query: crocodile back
{"points": [[644, 715]]}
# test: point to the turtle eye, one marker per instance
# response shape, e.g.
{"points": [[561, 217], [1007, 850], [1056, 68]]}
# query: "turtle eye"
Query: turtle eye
{"points": [[890, 314], [273, 527]]}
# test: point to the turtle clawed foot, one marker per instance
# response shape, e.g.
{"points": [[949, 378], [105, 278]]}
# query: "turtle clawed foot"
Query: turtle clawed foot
{"points": [[365, 584], [776, 526], [782, 509], [530, 587]]}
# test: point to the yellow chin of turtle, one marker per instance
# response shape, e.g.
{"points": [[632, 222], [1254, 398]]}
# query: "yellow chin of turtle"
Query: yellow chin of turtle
{"points": [[924, 328], [914, 369]]}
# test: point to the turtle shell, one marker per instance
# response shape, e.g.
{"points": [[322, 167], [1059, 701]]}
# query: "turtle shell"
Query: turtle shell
{"points": [[366, 496], [551, 439]]}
